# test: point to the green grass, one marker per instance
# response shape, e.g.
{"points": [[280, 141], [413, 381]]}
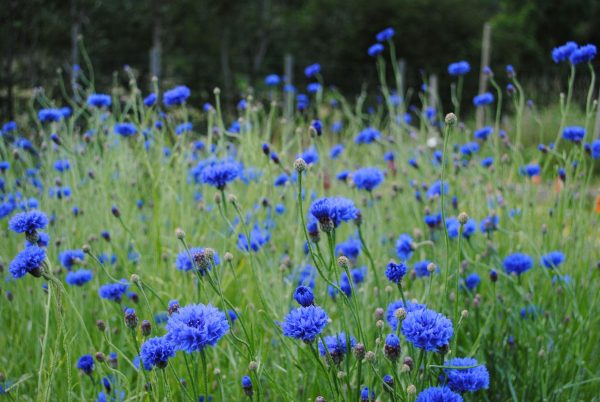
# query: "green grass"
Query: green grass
{"points": [[554, 355]]}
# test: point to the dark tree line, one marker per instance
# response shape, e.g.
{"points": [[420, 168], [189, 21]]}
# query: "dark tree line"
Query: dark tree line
{"points": [[235, 43]]}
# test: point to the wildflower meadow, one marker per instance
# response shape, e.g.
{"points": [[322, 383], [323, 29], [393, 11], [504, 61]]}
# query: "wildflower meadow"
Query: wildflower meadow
{"points": [[301, 245]]}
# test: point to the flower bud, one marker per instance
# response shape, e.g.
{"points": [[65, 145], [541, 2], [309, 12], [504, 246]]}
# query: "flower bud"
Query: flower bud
{"points": [[146, 328], [451, 119], [300, 165], [463, 218], [131, 318], [179, 233], [101, 325]]}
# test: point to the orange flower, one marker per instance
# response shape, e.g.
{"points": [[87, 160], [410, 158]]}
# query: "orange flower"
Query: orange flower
{"points": [[597, 209]]}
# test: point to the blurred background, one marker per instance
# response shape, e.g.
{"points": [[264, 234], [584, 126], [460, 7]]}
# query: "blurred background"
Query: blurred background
{"points": [[233, 44]]}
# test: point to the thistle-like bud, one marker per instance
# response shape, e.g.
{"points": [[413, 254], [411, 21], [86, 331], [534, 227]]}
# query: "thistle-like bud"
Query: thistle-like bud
{"points": [[431, 267], [134, 278], [463, 218], [451, 119], [400, 314], [359, 351], [101, 325], [300, 165], [343, 261], [411, 389], [370, 356], [180, 234], [228, 257], [253, 366], [100, 357], [146, 328], [379, 313], [131, 318]]}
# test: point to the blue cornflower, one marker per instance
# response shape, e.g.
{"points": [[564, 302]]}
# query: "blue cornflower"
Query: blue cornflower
{"points": [[470, 379], [8, 127], [304, 323], [312, 70], [367, 136], [196, 326], [489, 224], [517, 263], [533, 169], [404, 247], [156, 352], [469, 148], [483, 99], [336, 346], [436, 189], [258, 238], [583, 54], [113, 291], [395, 272], [28, 260], [86, 364], [421, 268], [310, 155], [389, 156], [281, 180], [317, 127], [334, 209], [574, 133], [487, 162], [375, 50], [247, 385], [459, 68], [272, 80], [79, 278], [304, 296], [99, 100], [68, 258], [220, 173], [184, 263], [302, 101], [472, 281], [42, 241], [483, 133], [343, 175], [553, 259], [438, 394], [391, 318], [183, 128], [384, 35], [125, 129], [427, 329], [28, 222], [336, 150], [367, 395], [176, 96], [350, 248], [48, 115], [433, 220], [595, 149], [367, 178], [62, 165], [562, 53], [150, 100], [313, 87]]}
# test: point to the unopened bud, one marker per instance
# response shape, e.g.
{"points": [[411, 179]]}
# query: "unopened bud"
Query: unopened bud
{"points": [[451, 119], [300, 165]]}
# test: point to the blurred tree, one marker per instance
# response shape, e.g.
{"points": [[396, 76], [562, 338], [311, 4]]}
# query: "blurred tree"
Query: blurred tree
{"points": [[234, 43]]}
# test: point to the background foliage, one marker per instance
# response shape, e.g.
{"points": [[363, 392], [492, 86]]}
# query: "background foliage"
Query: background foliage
{"points": [[234, 43]]}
